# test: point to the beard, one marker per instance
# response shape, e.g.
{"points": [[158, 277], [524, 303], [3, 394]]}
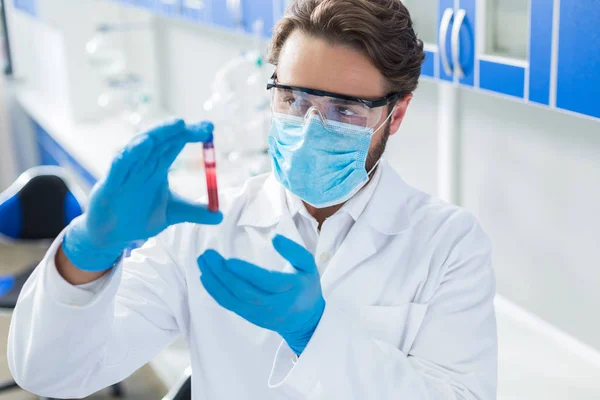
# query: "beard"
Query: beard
{"points": [[377, 151]]}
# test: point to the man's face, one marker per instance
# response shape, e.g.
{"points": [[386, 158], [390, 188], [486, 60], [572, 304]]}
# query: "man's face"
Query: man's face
{"points": [[314, 63]]}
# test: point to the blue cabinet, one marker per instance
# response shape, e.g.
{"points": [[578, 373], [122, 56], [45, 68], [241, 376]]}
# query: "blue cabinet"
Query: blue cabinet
{"points": [[516, 60], [578, 80], [259, 10], [27, 6], [463, 42], [242, 14], [540, 51], [227, 13], [429, 65], [456, 41], [499, 46], [168, 8], [195, 10], [148, 4]]}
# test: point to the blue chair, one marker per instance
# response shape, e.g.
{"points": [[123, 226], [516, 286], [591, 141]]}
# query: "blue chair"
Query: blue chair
{"points": [[38, 206]]}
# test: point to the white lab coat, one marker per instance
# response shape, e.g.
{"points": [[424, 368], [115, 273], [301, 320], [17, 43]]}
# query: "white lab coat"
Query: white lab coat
{"points": [[409, 310]]}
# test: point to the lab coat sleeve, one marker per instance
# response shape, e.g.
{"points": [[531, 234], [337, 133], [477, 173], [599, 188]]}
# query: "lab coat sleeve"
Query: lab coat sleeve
{"points": [[69, 342], [454, 355], [66, 293]]}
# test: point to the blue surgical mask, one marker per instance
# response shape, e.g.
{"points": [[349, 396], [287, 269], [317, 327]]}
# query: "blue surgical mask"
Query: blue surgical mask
{"points": [[321, 162]]}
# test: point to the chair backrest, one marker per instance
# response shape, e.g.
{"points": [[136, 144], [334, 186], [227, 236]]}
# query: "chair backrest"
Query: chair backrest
{"points": [[185, 392], [38, 207], [183, 389]]}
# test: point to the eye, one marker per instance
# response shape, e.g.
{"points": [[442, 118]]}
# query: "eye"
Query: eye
{"points": [[289, 100], [346, 112]]}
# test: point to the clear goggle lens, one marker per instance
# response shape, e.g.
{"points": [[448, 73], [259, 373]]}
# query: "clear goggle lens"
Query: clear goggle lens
{"points": [[299, 104]]}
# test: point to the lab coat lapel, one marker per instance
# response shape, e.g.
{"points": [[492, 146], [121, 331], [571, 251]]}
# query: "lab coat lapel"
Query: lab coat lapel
{"points": [[269, 209], [358, 246], [286, 227], [385, 215]]}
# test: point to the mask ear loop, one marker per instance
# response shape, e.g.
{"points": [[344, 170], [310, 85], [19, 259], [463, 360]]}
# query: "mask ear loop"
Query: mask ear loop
{"points": [[386, 120], [377, 130]]}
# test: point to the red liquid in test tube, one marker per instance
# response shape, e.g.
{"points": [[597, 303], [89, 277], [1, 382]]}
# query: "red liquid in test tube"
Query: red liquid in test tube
{"points": [[210, 168]]}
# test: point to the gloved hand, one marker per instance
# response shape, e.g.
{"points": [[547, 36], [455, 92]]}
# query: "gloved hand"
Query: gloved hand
{"points": [[134, 202], [290, 304]]}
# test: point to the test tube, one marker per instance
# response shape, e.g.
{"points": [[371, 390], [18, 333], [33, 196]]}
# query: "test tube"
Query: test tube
{"points": [[210, 168]]}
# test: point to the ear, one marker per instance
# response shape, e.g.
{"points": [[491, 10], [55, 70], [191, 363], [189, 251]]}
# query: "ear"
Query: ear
{"points": [[399, 113]]}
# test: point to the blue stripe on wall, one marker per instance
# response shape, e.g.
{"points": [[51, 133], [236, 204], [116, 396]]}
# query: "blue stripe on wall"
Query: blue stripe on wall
{"points": [[53, 154], [540, 52], [428, 68], [502, 78]]}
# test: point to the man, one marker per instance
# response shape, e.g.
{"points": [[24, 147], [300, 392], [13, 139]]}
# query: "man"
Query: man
{"points": [[330, 278]]}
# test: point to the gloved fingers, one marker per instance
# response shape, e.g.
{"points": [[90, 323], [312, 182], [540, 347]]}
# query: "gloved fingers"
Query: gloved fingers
{"points": [[178, 130], [160, 164], [128, 162], [220, 293], [297, 255], [274, 282], [167, 131], [157, 170], [180, 211], [147, 147], [160, 161], [241, 289], [202, 131]]}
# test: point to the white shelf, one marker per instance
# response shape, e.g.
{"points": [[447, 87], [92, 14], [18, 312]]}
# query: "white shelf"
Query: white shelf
{"points": [[424, 16], [506, 28]]}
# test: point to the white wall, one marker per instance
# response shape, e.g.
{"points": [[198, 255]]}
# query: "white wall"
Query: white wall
{"points": [[533, 177], [7, 157], [189, 57], [413, 150]]}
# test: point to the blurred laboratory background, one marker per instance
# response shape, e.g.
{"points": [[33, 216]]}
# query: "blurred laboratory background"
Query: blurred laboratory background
{"points": [[505, 123]]}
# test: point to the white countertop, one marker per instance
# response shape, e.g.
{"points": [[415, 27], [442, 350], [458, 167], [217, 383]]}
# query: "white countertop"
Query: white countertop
{"points": [[95, 144], [536, 361]]}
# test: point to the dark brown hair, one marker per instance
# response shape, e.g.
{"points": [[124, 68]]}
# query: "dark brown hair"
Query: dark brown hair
{"points": [[381, 29]]}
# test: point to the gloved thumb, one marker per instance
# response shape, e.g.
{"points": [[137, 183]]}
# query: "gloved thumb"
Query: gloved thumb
{"points": [[180, 211], [297, 255]]}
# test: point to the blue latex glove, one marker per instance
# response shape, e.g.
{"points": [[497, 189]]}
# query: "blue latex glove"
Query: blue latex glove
{"points": [[290, 304], [134, 202]]}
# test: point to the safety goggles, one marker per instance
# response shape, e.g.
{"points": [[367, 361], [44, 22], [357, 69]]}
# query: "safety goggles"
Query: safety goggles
{"points": [[301, 102]]}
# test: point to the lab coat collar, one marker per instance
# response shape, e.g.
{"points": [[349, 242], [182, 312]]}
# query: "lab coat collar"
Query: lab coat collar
{"points": [[353, 207], [385, 211]]}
